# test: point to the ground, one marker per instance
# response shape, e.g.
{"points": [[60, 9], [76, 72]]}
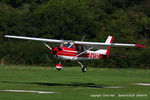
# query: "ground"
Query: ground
{"points": [[29, 83]]}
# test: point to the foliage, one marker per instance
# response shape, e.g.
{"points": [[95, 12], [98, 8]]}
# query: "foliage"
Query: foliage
{"points": [[126, 20]]}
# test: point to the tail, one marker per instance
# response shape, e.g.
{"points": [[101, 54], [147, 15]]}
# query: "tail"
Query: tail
{"points": [[110, 39], [106, 51]]}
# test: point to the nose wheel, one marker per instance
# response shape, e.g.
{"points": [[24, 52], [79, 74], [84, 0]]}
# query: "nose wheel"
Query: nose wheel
{"points": [[59, 66], [84, 68]]}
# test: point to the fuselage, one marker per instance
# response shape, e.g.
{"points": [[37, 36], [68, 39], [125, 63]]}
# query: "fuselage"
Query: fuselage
{"points": [[66, 53]]}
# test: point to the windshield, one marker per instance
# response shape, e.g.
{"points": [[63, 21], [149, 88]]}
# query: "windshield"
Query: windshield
{"points": [[68, 44]]}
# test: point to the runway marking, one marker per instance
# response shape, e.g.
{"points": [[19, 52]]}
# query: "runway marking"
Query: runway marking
{"points": [[145, 84], [31, 91]]}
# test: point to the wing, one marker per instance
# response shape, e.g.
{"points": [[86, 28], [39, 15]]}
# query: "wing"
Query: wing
{"points": [[97, 45], [106, 44], [100, 44], [32, 38]]}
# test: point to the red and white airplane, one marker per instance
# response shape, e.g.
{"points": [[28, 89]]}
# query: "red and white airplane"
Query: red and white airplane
{"points": [[78, 50]]}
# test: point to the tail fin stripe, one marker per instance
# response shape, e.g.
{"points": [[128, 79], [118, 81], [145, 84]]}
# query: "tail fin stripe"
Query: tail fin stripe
{"points": [[109, 40]]}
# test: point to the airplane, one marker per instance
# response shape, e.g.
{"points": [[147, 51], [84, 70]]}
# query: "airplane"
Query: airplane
{"points": [[78, 50]]}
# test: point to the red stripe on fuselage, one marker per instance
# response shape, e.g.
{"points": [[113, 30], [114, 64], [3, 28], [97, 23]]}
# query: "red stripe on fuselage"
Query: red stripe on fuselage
{"points": [[73, 53], [67, 52]]}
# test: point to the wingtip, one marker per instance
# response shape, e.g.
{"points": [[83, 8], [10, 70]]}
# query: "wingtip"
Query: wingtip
{"points": [[141, 46]]}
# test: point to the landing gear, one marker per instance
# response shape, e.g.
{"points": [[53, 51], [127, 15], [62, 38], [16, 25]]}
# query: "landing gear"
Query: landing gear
{"points": [[59, 69], [84, 68], [59, 66]]}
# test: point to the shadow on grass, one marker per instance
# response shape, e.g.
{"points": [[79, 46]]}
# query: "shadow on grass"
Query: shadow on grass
{"points": [[89, 85]]}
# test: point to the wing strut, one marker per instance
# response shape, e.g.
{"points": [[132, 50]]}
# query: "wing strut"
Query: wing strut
{"points": [[82, 52], [47, 46]]}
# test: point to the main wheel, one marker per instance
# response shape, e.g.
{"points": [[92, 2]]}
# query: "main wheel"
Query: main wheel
{"points": [[84, 68]]}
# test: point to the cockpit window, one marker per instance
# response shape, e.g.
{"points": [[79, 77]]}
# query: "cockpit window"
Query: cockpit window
{"points": [[68, 44], [80, 48]]}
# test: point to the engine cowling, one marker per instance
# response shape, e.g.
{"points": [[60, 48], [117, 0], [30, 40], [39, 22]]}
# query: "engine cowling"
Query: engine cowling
{"points": [[55, 50]]}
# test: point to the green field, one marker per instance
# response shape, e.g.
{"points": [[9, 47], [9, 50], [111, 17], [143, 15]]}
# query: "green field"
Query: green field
{"points": [[72, 84]]}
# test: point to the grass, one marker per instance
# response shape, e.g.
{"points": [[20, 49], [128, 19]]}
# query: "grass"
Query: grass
{"points": [[72, 84]]}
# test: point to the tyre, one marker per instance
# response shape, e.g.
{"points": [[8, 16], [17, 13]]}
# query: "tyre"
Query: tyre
{"points": [[84, 69]]}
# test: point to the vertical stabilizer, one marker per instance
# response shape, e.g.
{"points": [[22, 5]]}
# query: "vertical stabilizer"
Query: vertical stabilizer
{"points": [[107, 51], [109, 40]]}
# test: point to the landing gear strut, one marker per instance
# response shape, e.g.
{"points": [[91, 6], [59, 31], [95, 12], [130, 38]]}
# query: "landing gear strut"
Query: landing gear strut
{"points": [[84, 68]]}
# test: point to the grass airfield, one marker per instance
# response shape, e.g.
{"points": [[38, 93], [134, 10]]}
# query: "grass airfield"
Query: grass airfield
{"points": [[29, 83]]}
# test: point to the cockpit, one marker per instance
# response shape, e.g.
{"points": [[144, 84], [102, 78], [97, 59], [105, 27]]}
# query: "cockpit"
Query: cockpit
{"points": [[68, 44], [71, 45]]}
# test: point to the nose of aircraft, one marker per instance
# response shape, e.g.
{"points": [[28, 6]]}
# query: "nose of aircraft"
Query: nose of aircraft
{"points": [[55, 50]]}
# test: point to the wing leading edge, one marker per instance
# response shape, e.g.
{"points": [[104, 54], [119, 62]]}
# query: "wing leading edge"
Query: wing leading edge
{"points": [[32, 38]]}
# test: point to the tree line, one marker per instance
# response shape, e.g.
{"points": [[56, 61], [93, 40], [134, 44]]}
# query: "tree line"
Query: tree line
{"points": [[128, 21]]}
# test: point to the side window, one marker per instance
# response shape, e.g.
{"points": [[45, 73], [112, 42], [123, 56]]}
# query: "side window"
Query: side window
{"points": [[66, 44], [79, 48]]}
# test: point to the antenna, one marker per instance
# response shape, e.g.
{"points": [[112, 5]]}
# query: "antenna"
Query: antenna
{"points": [[83, 37]]}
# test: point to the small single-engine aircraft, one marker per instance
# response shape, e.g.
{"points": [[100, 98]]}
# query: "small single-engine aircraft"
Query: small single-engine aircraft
{"points": [[78, 50]]}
